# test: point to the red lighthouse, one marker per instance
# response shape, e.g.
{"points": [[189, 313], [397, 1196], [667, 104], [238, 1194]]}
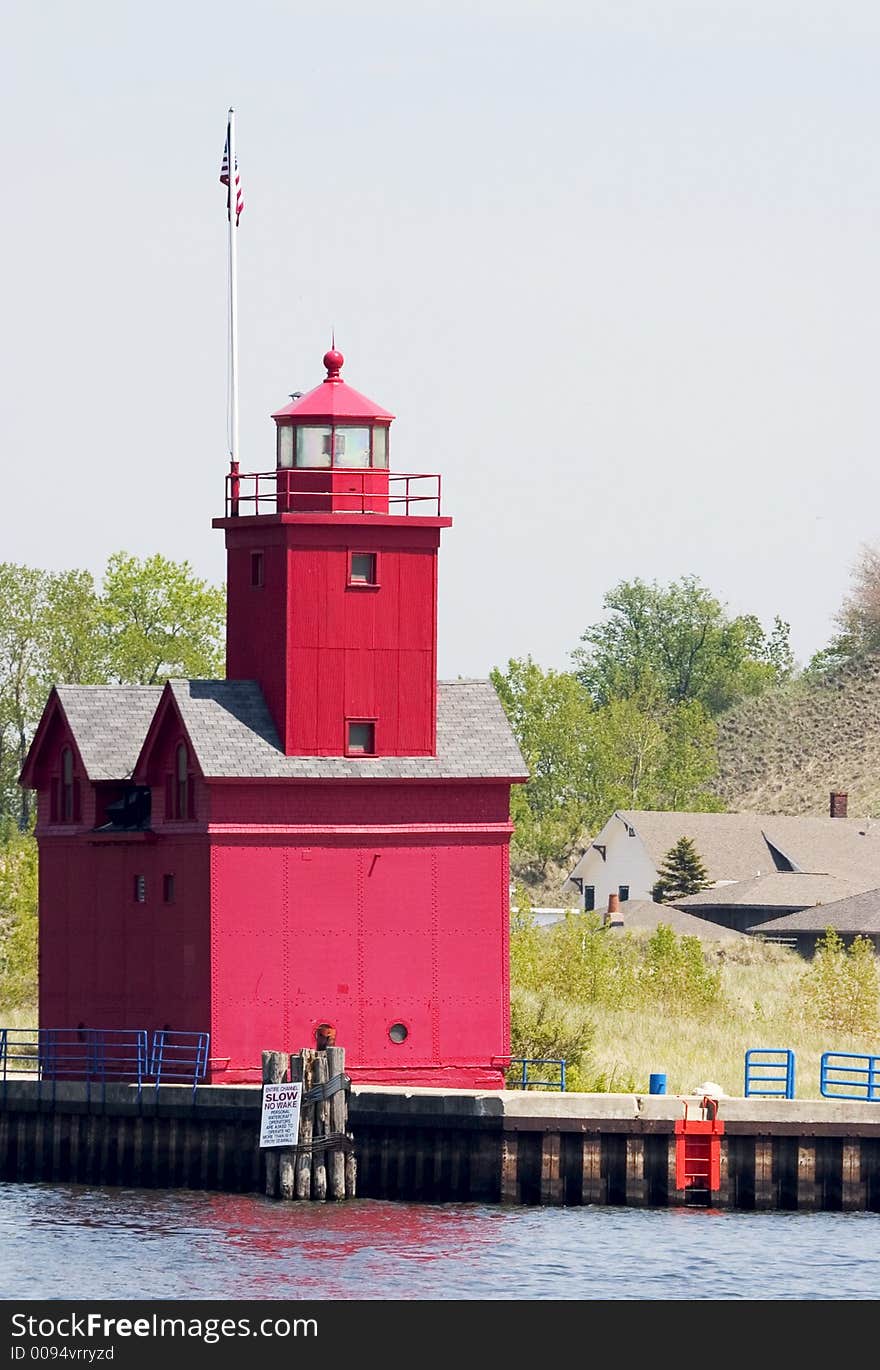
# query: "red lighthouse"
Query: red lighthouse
{"points": [[320, 838]]}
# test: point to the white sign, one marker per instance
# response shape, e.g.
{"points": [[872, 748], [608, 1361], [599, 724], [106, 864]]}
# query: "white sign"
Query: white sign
{"points": [[279, 1124]]}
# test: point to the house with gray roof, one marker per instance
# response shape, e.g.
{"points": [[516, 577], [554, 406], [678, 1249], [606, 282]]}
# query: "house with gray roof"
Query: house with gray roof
{"points": [[837, 856]]}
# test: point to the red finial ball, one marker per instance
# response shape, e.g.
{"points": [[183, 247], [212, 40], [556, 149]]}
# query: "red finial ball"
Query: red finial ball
{"points": [[333, 361]]}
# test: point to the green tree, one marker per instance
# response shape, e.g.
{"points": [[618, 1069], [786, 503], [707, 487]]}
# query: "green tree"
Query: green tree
{"points": [[159, 620], [677, 643], [49, 632], [654, 755], [552, 717], [682, 872], [857, 620], [152, 619], [18, 918], [689, 760], [584, 762]]}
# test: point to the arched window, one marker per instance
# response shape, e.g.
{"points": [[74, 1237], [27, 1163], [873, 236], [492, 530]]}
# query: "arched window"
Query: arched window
{"points": [[68, 796], [182, 795]]}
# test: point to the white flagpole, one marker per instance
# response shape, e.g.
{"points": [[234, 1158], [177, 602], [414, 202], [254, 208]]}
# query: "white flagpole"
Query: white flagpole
{"points": [[233, 297]]}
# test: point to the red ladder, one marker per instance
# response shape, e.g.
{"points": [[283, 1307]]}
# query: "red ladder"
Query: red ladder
{"points": [[698, 1149]]}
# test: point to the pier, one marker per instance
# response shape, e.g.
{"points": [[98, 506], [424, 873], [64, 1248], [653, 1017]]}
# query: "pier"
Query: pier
{"points": [[505, 1146]]}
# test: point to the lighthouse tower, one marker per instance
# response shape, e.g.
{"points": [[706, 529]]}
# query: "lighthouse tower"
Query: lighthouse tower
{"points": [[332, 582], [321, 838]]}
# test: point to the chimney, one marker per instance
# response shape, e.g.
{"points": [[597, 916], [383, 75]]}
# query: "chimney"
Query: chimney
{"points": [[838, 804], [613, 917]]}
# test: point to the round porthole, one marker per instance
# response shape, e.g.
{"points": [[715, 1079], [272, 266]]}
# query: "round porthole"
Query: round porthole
{"points": [[398, 1032]]}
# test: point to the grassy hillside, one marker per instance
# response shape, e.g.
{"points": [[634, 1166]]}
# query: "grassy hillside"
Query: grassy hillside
{"points": [[783, 752]]}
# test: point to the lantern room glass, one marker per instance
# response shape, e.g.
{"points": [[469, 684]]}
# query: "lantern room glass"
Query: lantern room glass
{"points": [[313, 445], [344, 445], [351, 446], [285, 445]]}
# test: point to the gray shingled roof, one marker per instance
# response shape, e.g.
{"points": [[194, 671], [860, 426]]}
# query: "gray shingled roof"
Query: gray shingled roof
{"points": [[109, 723], [861, 913], [782, 890], [646, 915], [731, 845], [736, 846], [232, 734]]}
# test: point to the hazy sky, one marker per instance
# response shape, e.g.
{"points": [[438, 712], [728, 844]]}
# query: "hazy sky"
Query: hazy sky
{"points": [[613, 265]]}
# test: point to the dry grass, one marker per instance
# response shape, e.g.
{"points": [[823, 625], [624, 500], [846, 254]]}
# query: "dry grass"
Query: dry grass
{"points": [[783, 751], [760, 984], [24, 1016]]}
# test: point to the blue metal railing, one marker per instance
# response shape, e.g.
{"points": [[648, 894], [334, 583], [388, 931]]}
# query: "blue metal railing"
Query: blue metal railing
{"points": [[92, 1055], [849, 1075], [525, 1080], [96, 1056], [770, 1071], [179, 1057]]}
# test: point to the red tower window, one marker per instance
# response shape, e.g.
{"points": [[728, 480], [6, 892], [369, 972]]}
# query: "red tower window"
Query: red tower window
{"points": [[139, 889], [258, 579], [360, 737], [363, 568]]}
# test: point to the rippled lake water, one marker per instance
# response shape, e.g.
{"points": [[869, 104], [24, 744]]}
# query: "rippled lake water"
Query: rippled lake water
{"points": [[78, 1242]]}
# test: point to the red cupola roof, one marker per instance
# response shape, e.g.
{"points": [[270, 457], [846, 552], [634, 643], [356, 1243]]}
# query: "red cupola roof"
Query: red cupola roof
{"points": [[333, 400]]}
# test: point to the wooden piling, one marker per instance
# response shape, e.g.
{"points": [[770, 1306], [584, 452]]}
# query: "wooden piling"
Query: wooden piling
{"points": [[287, 1158], [338, 1119], [306, 1131], [275, 1068], [320, 1127]]}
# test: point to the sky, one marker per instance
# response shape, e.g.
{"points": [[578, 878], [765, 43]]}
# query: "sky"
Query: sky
{"points": [[612, 264]]}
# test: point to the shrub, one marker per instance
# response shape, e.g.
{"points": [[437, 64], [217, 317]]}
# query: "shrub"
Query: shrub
{"points": [[545, 1026], [676, 974], [841, 986], [588, 962]]}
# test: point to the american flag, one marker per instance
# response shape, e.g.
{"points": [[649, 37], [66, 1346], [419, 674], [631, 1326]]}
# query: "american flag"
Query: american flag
{"points": [[224, 179]]}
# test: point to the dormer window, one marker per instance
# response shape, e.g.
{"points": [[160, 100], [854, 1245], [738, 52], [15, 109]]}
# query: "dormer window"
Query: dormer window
{"points": [[64, 794], [67, 786], [182, 788], [179, 787]]}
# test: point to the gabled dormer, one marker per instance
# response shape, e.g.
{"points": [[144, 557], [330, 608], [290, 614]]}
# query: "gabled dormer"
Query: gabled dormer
{"points": [[168, 767], [82, 756]]}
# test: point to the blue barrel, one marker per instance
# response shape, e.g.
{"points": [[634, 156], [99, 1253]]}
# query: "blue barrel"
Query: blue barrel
{"points": [[657, 1084]]}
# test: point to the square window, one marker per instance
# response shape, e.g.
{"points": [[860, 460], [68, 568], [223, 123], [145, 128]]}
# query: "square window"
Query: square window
{"points": [[139, 889], [361, 739], [257, 570], [168, 888], [362, 570]]}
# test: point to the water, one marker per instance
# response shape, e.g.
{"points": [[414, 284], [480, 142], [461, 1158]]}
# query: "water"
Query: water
{"points": [[78, 1242]]}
